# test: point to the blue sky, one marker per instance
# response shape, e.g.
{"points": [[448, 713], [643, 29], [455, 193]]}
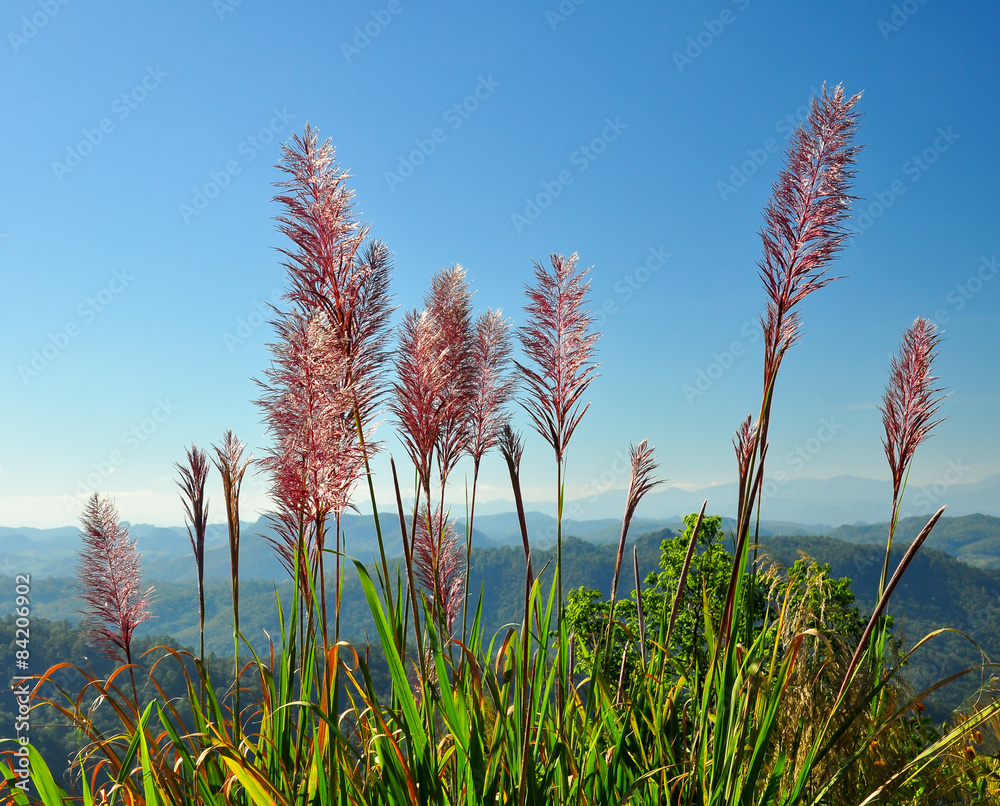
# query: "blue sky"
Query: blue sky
{"points": [[138, 243]]}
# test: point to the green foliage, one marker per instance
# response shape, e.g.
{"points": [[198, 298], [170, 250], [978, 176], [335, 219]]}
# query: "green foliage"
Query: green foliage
{"points": [[829, 603], [703, 595]]}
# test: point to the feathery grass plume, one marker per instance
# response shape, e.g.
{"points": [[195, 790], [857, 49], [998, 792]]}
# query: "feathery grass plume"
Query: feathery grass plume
{"points": [[432, 396], [437, 561], [640, 483], [449, 305], [804, 230], [318, 219], [493, 382], [336, 272], [316, 460], [804, 220], [368, 330], [334, 268], [743, 444], [110, 582], [192, 483], [512, 448], [559, 343], [420, 386], [804, 227], [911, 400], [909, 406], [317, 457], [232, 466]]}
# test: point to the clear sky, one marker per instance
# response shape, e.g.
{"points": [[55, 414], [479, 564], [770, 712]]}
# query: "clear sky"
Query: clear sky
{"points": [[137, 243]]}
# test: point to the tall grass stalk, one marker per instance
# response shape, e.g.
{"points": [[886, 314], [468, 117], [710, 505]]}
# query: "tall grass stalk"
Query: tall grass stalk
{"points": [[232, 467], [558, 342], [192, 479]]}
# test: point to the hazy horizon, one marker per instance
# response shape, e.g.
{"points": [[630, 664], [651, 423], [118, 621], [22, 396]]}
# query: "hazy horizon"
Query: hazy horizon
{"points": [[784, 501]]}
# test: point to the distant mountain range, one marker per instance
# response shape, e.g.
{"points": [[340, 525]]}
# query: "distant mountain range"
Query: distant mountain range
{"points": [[818, 505], [796, 507], [166, 551], [167, 554]]}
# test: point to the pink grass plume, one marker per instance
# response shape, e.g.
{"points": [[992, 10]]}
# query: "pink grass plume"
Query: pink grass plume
{"points": [[421, 383], [438, 563], [334, 269], [232, 466], [640, 483], [512, 448], [109, 579], [342, 279], [911, 400], [315, 460], [559, 345], [804, 230], [317, 457], [449, 306], [909, 408], [493, 385], [744, 442], [804, 222]]}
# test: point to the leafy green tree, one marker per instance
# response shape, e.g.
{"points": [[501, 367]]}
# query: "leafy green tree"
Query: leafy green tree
{"points": [[705, 586], [805, 590]]}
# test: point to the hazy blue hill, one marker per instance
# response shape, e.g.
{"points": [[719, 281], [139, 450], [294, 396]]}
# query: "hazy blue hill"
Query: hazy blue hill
{"points": [[810, 501], [975, 539], [504, 528], [257, 560], [19, 533], [19, 539], [53, 552], [173, 540], [167, 555], [797, 507]]}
